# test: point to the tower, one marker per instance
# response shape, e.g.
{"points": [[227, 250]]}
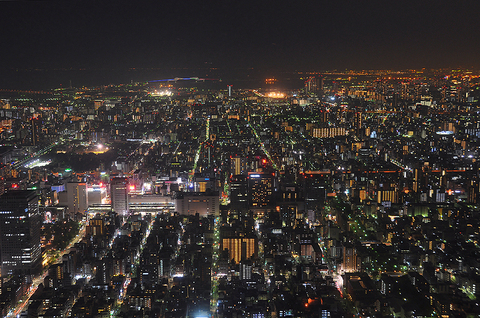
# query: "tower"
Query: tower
{"points": [[20, 222], [119, 195], [36, 124], [260, 189], [311, 85], [239, 165], [239, 192], [77, 197]]}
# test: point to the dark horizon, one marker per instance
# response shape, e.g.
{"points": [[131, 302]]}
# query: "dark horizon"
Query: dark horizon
{"points": [[48, 79], [268, 37]]}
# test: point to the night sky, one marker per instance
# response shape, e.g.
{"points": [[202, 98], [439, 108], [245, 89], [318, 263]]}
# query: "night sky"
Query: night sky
{"points": [[236, 35]]}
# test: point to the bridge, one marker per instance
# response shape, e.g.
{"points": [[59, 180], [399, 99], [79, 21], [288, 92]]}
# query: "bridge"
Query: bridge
{"points": [[176, 79]]}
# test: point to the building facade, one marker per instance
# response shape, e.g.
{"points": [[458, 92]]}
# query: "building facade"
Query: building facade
{"points": [[119, 195], [20, 223]]}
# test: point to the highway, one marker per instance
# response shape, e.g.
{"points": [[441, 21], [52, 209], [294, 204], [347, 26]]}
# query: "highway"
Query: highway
{"points": [[35, 155], [128, 278], [214, 272]]}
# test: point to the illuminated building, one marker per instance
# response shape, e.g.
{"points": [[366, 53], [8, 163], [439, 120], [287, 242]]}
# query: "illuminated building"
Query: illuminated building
{"points": [[119, 195], [313, 85], [357, 122], [96, 194], [330, 132], [351, 262], [35, 130], [239, 165], [203, 183], [96, 227], [390, 195], [239, 192], [260, 189], [203, 203], [270, 81], [246, 270], [315, 184], [20, 223], [240, 248], [77, 197]]}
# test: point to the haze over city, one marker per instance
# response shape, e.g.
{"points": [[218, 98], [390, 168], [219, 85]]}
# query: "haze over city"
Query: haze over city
{"points": [[125, 40]]}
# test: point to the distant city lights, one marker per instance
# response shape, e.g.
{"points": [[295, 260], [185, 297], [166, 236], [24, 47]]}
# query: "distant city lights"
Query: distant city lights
{"points": [[162, 93], [275, 95]]}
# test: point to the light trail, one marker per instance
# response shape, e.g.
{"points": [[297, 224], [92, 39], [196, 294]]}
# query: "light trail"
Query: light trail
{"points": [[228, 124], [176, 149], [128, 278], [262, 146], [214, 273], [35, 155], [199, 150], [40, 278], [207, 133]]}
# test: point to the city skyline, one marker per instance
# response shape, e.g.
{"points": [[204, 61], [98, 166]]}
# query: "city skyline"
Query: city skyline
{"points": [[240, 159], [350, 193]]}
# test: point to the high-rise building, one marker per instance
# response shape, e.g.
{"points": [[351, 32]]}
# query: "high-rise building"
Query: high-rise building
{"points": [[36, 128], [96, 227], [203, 203], [239, 165], [314, 189], [260, 189], [203, 183], [351, 261], [314, 85], [240, 248], [119, 195], [77, 197], [311, 85], [20, 222], [239, 192]]}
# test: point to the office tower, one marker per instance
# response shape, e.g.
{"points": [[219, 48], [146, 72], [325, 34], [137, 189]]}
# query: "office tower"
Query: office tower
{"points": [[96, 194], [357, 122], [203, 203], [20, 222], [203, 183], [314, 188], [246, 270], [350, 259], [239, 192], [36, 128], [96, 227], [240, 248], [119, 195], [313, 85], [77, 197], [260, 189], [239, 165]]}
